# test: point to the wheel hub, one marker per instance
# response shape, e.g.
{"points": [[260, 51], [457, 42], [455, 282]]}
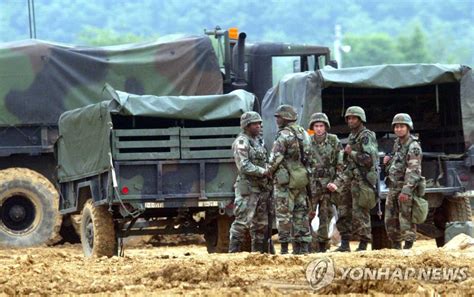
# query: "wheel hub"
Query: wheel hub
{"points": [[18, 213]]}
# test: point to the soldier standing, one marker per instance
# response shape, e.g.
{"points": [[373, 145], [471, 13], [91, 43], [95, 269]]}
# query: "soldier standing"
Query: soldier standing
{"points": [[290, 179], [326, 162], [252, 188], [358, 182], [404, 173]]}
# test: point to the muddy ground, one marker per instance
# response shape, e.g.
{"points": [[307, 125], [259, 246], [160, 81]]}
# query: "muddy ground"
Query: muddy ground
{"points": [[187, 269]]}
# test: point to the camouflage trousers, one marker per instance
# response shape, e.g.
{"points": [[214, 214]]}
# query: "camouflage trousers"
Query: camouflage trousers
{"points": [[323, 199], [398, 218], [251, 214], [291, 213], [353, 221]]}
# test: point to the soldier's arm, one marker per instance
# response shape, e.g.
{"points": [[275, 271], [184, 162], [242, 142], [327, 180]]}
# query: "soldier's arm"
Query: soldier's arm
{"points": [[339, 157], [368, 155], [413, 171], [241, 157], [278, 152]]}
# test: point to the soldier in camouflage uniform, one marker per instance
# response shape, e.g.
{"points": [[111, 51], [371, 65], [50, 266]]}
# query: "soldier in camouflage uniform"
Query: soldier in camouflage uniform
{"points": [[290, 179], [404, 172], [252, 188], [326, 162], [358, 182]]}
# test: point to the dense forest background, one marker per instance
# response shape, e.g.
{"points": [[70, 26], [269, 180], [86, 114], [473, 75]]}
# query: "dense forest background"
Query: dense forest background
{"points": [[440, 31]]}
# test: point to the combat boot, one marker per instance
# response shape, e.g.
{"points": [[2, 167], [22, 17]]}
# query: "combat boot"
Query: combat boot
{"points": [[322, 247], [408, 245], [397, 245], [296, 248], [362, 246], [304, 248], [257, 247], [344, 247], [234, 246], [284, 248]]}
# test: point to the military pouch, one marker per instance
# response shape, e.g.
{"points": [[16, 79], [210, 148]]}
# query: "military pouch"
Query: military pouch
{"points": [[244, 187], [366, 197], [282, 177], [298, 175], [419, 210], [421, 187]]}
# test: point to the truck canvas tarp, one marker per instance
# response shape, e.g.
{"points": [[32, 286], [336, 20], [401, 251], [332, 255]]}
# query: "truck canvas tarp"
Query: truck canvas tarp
{"points": [[307, 91], [41, 80], [84, 133]]}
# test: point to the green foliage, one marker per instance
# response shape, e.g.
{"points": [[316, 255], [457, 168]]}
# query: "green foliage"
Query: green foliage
{"points": [[443, 28], [380, 48], [101, 37]]}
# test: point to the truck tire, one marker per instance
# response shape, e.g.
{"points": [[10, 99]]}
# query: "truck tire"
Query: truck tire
{"points": [[217, 234], [458, 209], [29, 206], [97, 231], [380, 239]]}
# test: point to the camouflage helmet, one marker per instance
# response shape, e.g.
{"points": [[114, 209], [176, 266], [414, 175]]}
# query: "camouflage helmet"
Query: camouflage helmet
{"points": [[356, 111], [403, 118], [249, 117], [286, 112], [319, 117]]}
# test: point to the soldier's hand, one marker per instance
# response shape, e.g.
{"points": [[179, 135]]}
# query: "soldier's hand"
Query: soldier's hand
{"points": [[403, 197], [348, 149], [332, 187], [386, 159]]}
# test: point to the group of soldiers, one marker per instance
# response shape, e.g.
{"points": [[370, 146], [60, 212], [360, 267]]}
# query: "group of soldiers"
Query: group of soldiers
{"points": [[304, 172]]}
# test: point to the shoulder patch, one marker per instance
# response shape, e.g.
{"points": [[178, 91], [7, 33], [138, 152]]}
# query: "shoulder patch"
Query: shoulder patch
{"points": [[365, 140], [416, 151]]}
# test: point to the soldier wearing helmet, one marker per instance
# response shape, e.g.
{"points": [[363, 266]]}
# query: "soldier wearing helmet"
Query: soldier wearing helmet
{"points": [[357, 182], [404, 173], [326, 163], [252, 188], [289, 165]]}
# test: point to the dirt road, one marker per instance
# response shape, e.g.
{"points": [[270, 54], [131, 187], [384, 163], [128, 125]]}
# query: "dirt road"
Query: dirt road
{"points": [[188, 269]]}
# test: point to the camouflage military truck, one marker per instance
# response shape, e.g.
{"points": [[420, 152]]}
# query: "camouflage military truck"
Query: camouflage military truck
{"points": [[136, 165], [439, 98], [41, 80]]}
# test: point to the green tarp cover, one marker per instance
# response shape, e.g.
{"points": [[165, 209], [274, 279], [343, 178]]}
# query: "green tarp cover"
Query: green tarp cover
{"points": [[303, 90], [83, 145], [40, 80]]}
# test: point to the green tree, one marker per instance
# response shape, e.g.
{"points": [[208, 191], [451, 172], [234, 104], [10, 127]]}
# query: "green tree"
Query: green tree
{"points": [[371, 49], [102, 37], [414, 46]]}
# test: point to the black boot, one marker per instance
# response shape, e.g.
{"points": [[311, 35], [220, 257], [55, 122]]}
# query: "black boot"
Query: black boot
{"points": [[304, 248], [234, 246], [296, 248], [396, 245], [322, 247], [362, 246], [344, 247], [284, 248], [408, 245]]}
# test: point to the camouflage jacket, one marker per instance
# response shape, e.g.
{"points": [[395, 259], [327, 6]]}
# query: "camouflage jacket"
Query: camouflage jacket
{"points": [[363, 161], [325, 160], [286, 146], [404, 169], [250, 157]]}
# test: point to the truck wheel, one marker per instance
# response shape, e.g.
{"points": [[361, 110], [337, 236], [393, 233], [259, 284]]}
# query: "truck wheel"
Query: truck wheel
{"points": [[458, 209], [380, 239], [97, 231], [217, 235], [29, 206]]}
